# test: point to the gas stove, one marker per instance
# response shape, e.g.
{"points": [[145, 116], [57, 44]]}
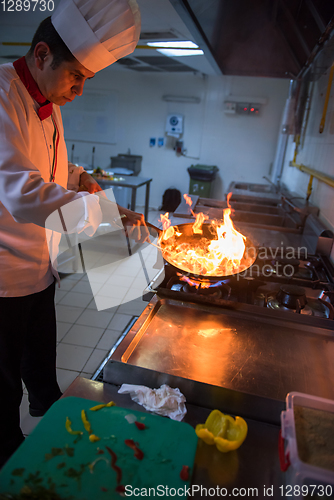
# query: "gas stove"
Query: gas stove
{"points": [[257, 335], [303, 285]]}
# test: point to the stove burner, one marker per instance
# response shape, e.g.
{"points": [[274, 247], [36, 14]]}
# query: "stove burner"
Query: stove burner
{"points": [[282, 267], [284, 263], [292, 297], [310, 291], [274, 304], [214, 292], [216, 289]]}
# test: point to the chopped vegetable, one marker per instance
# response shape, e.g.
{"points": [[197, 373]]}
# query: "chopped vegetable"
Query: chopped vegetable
{"points": [[138, 452], [55, 452], [18, 472], [31, 493], [69, 451], [68, 424], [86, 423], [140, 425], [75, 474], [94, 438], [34, 479], [92, 465], [130, 418], [120, 488], [98, 407], [34, 490], [222, 430], [117, 469], [184, 474]]}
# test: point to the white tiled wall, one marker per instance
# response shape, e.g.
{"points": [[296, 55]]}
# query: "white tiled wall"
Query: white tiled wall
{"points": [[317, 153], [243, 147]]}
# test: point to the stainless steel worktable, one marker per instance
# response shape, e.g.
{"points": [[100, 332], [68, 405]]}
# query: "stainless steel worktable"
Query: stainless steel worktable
{"points": [[132, 182], [254, 465]]}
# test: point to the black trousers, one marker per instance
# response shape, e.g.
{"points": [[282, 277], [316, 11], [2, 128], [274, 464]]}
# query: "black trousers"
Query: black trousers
{"points": [[28, 340]]}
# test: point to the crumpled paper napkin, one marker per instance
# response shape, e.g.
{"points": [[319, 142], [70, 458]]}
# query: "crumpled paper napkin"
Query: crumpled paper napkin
{"points": [[164, 401]]}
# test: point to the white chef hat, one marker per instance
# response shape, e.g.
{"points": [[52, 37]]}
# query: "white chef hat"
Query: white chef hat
{"points": [[98, 32]]}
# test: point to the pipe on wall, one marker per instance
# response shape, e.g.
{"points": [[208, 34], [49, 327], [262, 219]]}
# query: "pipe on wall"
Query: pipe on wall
{"points": [[329, 86], [326, 179]]}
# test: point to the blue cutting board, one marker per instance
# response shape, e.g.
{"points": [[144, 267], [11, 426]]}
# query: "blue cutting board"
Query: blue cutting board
{"points": [[167, 446]]}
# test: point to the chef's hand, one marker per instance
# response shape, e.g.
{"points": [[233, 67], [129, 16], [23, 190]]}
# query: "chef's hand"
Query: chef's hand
{"points": [[134, 224], [88, 183]]}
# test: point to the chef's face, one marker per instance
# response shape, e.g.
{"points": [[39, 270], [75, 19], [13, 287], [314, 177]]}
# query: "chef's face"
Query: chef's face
{"points": [[65, 82]]}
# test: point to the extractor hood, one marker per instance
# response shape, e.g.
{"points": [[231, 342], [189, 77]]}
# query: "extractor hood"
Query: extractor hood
{"points": [[270, 38]]}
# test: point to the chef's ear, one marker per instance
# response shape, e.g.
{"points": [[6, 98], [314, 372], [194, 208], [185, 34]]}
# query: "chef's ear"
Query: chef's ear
{"points": [[41, 53]]}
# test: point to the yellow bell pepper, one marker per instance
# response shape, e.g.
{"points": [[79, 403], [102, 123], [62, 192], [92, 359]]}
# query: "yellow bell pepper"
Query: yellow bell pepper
{"points": [[93, 438], [86, 423], [98, 407], [222, 430], [68, 424]]}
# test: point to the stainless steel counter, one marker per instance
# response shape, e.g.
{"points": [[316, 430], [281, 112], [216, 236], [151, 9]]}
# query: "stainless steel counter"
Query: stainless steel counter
{"points": [[228, 348], [133, 183]]}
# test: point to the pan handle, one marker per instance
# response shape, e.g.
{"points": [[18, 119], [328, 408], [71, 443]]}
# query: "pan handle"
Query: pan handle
{"points": [[157, 229]]}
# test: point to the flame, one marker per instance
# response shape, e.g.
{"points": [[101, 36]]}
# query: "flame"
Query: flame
{"points": [[189, 202], [168, 230], [221, 252], [200, 218], [196, 284], [188, 199], [197, 227]]}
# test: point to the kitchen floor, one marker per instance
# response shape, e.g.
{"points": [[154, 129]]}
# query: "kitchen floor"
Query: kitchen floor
{"points": [[85, 334]]}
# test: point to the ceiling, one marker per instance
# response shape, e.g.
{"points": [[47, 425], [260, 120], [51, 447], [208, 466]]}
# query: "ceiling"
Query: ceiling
{"points": [[160, 21], [271, 38]]}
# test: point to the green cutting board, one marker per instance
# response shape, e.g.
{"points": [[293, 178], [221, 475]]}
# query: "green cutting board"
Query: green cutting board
{"points": [[167, 446]]}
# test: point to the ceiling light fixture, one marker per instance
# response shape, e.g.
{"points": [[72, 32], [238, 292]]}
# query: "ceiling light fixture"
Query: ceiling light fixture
{"points": [[177, 48], [174, 45], [181, 98], [180, 52]]}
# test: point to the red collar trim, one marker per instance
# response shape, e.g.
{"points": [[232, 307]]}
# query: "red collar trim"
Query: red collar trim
{"points": [[23, 72]]}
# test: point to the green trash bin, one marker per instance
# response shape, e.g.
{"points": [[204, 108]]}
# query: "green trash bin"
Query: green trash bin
{"points": [[201, 179]]}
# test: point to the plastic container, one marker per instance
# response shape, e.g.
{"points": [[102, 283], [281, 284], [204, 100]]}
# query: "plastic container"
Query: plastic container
{"points": [[201, 179], [299, 473]]}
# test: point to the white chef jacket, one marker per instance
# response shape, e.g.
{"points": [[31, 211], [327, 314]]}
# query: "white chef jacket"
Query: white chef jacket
{"points": [[27, 197]]}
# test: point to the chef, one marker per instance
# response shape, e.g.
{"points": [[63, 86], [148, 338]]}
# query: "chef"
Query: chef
{"points": [[36, 181]]}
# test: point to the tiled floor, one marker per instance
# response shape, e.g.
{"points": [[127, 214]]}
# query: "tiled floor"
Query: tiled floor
{"points": [[88, 327]]}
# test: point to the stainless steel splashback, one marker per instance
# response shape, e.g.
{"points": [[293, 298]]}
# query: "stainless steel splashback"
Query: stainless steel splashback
{"points": [[317, 237]]}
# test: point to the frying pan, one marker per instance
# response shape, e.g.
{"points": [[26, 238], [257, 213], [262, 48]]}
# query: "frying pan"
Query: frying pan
{"points": [[187, 236]]}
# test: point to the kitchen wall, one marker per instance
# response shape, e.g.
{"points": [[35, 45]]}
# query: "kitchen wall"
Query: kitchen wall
{"points": [[243, 147], [317, 152]]}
